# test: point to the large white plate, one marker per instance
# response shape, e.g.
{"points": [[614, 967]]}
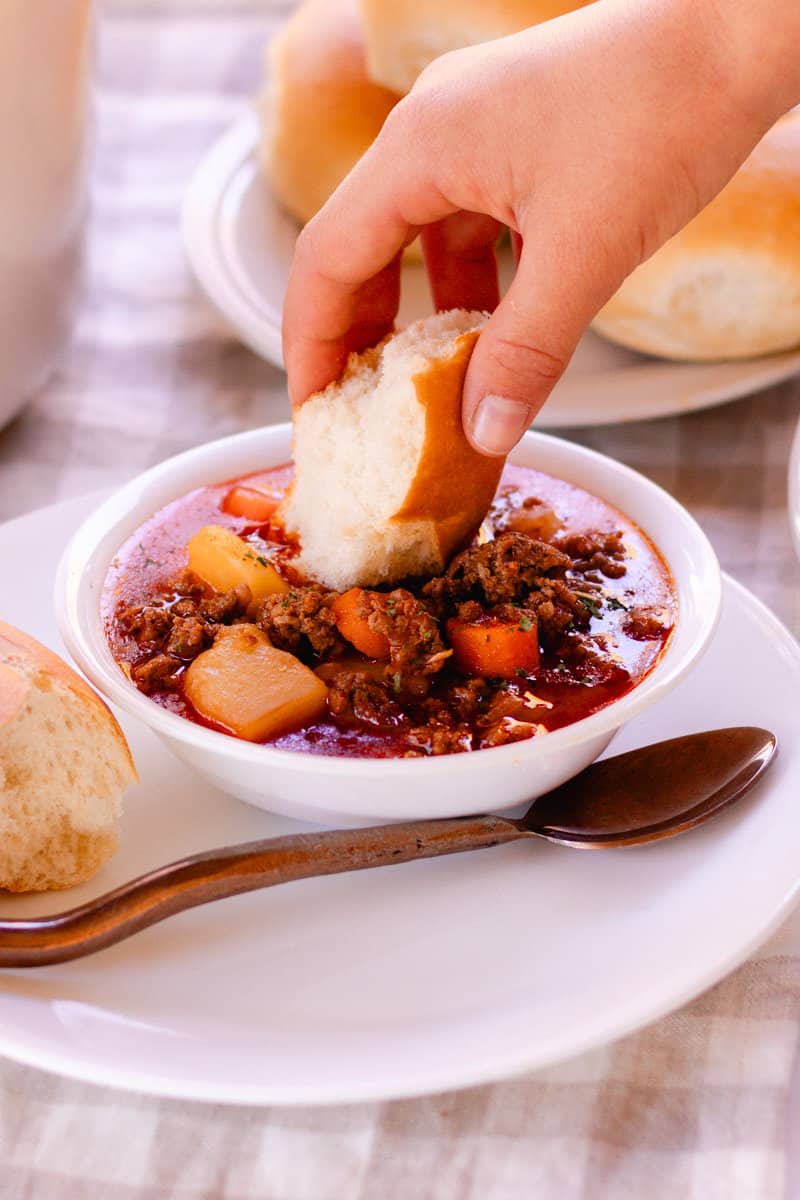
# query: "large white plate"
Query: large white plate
{"points": [[421, 978], [239, 243], [794, 490]]}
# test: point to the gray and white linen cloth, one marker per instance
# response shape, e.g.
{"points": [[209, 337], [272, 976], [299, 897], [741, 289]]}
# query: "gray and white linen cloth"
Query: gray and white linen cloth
{"points": [[695, 1106]]}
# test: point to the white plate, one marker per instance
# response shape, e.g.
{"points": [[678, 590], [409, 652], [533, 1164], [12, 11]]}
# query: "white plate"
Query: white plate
{"points": [[425, 977], [239, 243], [794, 490]]}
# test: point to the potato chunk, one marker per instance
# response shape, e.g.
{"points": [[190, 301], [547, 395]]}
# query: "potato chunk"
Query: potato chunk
{"points": [[224, 560], [248, 686]]}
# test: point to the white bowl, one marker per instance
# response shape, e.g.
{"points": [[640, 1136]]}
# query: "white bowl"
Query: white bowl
{"points": [[346, 790]]}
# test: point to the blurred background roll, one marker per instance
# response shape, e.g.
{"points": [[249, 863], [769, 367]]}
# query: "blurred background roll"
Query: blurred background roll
{"points": [[403, 36], [728, 285], [319, 111]]}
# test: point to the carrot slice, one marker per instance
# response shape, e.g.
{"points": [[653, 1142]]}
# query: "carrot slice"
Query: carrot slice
{"points": [[250, 503], [494, 647], [352, 624]]}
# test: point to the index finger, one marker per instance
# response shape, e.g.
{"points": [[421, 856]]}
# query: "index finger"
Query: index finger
{"points": [[344, 286]]}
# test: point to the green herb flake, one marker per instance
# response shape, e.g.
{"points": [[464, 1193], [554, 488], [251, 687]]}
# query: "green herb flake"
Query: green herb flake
{"points": [[260, 559], [614, 603], [396, 681], [591, 604], [525, 624]]}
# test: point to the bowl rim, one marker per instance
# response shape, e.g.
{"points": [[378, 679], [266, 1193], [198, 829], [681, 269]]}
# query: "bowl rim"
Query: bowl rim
{"points": [[79, 625]]}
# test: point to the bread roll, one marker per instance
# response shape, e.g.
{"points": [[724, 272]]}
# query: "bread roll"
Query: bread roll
{"points": [[403, 36], [728, 285], [64, 764], [319, 111], [386, 484]]}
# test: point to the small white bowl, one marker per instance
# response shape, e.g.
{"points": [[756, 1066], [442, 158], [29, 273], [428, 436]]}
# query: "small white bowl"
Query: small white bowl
{"points": [[346, 790]]}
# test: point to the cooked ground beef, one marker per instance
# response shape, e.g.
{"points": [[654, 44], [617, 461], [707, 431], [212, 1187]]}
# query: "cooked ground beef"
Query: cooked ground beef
{"points": [[503, 571], [603, 552], [224, 607], [158, 674], [425, 740], [154, 625], [355, 697], [505, 731], [301, 621], [463, 703], [415, 643], [643, 624], [590, 661], [189, 584], [188, 636], [149, 625]]}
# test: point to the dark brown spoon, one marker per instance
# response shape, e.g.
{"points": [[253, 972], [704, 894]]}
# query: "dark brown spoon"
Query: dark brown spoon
{"points": [[650, 793]]}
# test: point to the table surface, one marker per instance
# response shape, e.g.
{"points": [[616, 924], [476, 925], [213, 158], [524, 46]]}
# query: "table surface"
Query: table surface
{"points": [[696, 1105]]}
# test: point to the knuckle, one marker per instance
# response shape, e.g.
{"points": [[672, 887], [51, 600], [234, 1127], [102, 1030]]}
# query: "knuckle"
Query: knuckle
{"points": [[524, 360]]}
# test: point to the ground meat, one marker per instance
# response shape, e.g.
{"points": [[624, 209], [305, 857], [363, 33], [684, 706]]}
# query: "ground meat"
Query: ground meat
{"points": [[503, 571], [161, 673], [427, 740], [643, 625], [301, 621], [185, 627], [463, 703], [149, 625], [189, 584], [356, 698], [603, 552], [223, 608], [589, 659], [184, 608], [415, 644], [188, 637], [505, 731]]}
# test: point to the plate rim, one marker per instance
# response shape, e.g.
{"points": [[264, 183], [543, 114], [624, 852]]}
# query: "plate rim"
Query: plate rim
{"points": [[74, 1063]]}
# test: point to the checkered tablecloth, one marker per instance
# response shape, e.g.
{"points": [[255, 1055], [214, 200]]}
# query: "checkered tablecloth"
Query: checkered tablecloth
{"points": [[696, 1106]]}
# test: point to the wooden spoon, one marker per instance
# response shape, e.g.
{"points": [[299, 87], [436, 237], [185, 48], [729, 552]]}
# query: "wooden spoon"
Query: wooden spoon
{"points": [[650, 793]]}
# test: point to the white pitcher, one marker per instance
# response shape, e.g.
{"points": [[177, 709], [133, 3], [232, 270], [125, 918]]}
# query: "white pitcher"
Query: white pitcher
{"points": [[44, 72]]}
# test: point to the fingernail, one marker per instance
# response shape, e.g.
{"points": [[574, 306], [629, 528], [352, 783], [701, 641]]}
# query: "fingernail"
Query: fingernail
{"points": [[499, 423]]}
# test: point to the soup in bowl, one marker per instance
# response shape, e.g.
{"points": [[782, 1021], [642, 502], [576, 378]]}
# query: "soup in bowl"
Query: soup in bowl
{"points": [[586, 595]]}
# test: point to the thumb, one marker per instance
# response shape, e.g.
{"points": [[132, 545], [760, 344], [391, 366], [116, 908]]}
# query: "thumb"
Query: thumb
{"points": [[524, 349]]}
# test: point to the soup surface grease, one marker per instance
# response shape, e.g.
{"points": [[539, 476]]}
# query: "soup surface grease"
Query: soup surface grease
{"points": [[561, 606]]}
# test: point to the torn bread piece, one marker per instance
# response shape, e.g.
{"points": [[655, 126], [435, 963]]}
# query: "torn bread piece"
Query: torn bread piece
{"points": [[386, 484], [64, 764]]}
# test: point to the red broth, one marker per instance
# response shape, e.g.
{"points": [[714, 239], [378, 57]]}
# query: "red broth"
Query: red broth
{"points": [[626, 631]]}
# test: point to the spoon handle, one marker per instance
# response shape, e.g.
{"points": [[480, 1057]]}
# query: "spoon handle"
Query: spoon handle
{"points": [[245, 868]]}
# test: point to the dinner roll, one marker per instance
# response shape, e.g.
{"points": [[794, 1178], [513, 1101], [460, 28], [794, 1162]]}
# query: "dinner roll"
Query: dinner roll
{"points": [[319, 112], [403, 36], [386, 484], [64, 764], [727, 285]]}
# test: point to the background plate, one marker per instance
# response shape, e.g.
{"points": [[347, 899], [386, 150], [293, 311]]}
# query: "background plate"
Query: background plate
{"points": [[239, 243], [430, 976]]}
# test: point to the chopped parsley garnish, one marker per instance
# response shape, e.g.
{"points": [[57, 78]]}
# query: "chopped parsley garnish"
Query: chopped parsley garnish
{"points": [[592, 605], [396, 681], [260, 559], [525, 624], [613, 603]]}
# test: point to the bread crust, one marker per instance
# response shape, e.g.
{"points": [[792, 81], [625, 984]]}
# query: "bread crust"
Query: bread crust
{"points": [[747, 242], [50, 846], [403, 36], [454, 484], [14, 644]]}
